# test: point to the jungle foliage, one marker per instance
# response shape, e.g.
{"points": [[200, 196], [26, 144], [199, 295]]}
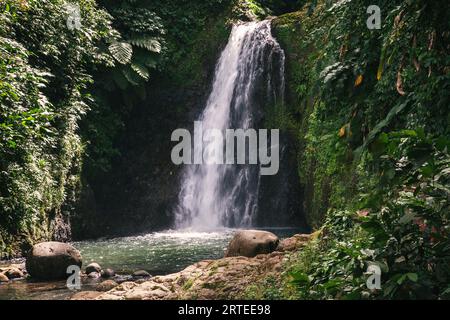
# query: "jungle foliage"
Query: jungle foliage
{"points": [[45, 69], [371, 108], [66, 94]]}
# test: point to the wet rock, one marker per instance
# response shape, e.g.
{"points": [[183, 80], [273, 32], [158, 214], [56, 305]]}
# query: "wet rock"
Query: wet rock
{"points": [[85, 295], [50, 260], [141, 274], [108, 273], [94, 275], [121, 279], [93, 267], [3, 278], [106, 285], [250, 243]]}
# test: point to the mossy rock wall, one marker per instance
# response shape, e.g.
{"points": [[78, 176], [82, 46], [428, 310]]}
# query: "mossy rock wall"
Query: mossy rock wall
{"points": [[325, 179]]}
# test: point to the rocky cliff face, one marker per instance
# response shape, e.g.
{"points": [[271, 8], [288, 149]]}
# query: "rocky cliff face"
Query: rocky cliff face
{"points": [[293, 32], [138, 192]]}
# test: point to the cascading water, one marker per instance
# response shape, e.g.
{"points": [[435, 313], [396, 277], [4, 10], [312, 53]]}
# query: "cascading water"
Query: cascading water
{"points": [[249, 76]]}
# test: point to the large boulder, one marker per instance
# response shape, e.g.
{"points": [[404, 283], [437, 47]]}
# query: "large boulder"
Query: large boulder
{"points": [[50, 260], [250, 243]]}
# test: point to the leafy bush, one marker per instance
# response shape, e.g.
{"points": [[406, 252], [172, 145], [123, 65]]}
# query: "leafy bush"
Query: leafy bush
{"points": [[44, 72], [403, 229], [161, 41], [372, 110]]}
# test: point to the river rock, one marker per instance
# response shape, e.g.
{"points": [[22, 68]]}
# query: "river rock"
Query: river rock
{"points": [[94, 275], [222, 279], [50, 260], [93, 267], [123, 278], [108, 273], [250, 243], [141, 274], [85, 295], [3, 278], [106, 285], [14, 273]]}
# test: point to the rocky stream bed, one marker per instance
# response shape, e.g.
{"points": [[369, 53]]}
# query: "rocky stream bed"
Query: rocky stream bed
{"points": [[251, 256]]}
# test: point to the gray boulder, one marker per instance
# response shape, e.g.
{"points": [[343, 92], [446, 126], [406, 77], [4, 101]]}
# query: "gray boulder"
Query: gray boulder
{"points": [[50, 260], [250, 243]]}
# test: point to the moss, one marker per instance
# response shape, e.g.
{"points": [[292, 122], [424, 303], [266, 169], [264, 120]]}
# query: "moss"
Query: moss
{"points": [[189, 65], [325, 167], [191, 68], [213, 285], [256, 9], [188, 284], [214, 269], [269, 288]]}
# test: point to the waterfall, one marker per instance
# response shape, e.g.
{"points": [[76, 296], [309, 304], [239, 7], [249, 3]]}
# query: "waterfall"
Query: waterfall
{"points": [[249, 76]]}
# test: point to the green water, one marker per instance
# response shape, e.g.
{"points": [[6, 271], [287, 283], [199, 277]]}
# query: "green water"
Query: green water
{"points": [[158, 253]]}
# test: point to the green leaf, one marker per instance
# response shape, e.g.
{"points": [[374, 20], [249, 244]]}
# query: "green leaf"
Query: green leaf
{"points": [[12, 144], [151, 44], [300, 278], [407, 217], [141, 70], [121, 51], [381, 125], [131, 75], [333, 283], [412, 276]]}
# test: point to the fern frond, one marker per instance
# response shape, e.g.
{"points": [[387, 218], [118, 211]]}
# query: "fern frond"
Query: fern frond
{"points": [[132, 76], [141, 70], [151, 44], [121, 51]]}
